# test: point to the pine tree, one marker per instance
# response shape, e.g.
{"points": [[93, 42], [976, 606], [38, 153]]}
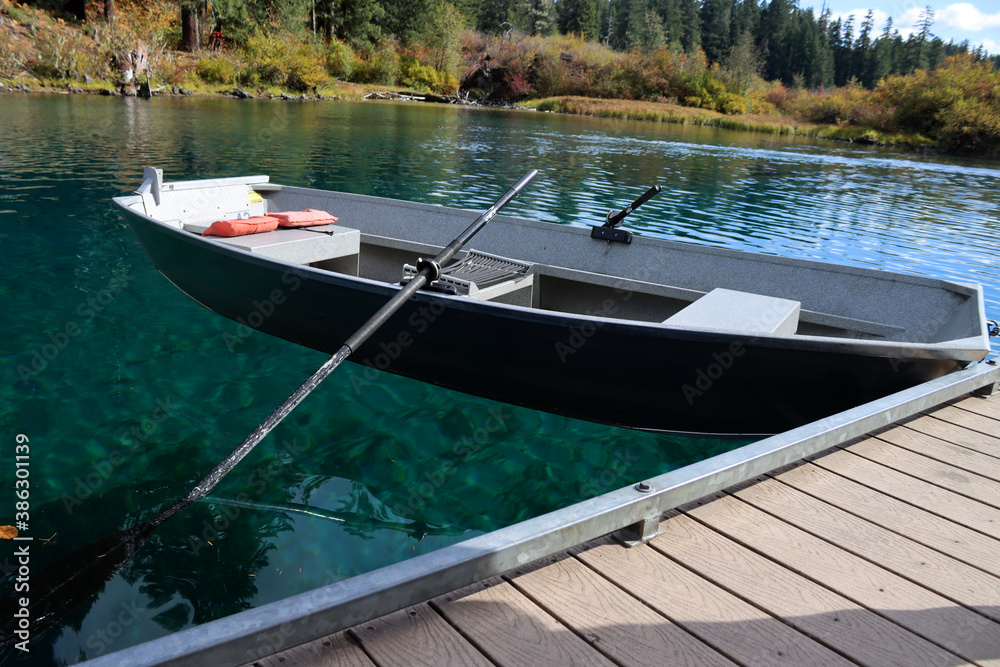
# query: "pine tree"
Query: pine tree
{"points": [[864, 66], [716, 17], [671, 17], [773, 40], [492, 13], [535, 17], [690, 25], [629, 24], [578, 16]]}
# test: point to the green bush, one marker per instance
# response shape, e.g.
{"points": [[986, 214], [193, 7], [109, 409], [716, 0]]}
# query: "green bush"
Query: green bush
{"points": [[340, 60], [381, 68], [215, 70], [415, 75], [305, 69], [278, 61]]}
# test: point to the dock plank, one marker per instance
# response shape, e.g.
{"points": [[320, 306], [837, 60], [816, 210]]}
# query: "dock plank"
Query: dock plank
{"points": [[415, 636], [882, 552], [937, 572], [512, 630], [337, 650], [610, 619], [736, 628], [912, 606], [983, 442], [943, 451], [986, 407], [930, 497], [966, 483], [816, 611], [892, 514], [968, 414]]}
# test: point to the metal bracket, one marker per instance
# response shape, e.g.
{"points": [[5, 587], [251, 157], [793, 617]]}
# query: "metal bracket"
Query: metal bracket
{"points": [[991, 389], [611, 234], [152, 184], [639, 533]]}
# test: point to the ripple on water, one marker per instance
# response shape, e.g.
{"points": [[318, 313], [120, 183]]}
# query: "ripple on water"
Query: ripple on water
{"points": [[147, 396]]}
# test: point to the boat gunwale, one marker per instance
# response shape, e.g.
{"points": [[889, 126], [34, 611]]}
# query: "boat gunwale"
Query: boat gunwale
{"points": [[959, 287], [966, 350]]}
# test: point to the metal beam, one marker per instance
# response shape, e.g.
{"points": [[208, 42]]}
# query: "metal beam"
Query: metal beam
{"points": [[255, 633]]}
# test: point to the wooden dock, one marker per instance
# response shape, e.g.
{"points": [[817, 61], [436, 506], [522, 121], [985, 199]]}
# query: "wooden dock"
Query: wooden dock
{"points": [[884, 551]]}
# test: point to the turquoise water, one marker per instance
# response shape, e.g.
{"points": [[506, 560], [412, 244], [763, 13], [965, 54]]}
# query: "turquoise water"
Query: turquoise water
{"points": [[129, 395]]}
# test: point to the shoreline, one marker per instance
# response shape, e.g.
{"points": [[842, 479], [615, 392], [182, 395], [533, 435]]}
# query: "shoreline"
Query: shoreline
{"points": [[614, 109]]}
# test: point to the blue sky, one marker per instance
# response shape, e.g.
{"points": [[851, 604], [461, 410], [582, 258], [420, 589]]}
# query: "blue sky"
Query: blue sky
{"points": [[975, 20]]}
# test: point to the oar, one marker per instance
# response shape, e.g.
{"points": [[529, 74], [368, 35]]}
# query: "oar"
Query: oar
{"points": [[73, 580]]}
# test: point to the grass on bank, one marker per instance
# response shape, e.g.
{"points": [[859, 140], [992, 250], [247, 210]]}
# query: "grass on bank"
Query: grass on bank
{"points": [[761, 123], [955, 107]]}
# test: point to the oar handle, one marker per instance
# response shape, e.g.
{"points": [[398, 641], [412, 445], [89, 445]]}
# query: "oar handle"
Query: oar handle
{"points": [[426, 273], [614, 219]]}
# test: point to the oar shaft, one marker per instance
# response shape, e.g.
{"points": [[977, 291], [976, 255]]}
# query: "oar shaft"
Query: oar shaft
{"points": [[452, 248], [424, 275]]}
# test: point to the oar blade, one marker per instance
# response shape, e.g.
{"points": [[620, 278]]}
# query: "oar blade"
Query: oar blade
{"points": [[69, 582]]}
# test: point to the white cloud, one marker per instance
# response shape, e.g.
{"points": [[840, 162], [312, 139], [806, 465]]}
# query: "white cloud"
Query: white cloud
{"points": [[990, 46], [964, 16]]}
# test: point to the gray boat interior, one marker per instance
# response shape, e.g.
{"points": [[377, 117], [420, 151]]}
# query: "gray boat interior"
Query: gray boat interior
{"points": [[561, 268]]}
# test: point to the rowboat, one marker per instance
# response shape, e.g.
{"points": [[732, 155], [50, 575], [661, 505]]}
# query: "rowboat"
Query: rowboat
{"points": [[637, 332]]}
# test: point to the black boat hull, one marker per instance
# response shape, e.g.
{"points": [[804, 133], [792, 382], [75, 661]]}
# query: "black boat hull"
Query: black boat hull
{"points": [[612, 372]]}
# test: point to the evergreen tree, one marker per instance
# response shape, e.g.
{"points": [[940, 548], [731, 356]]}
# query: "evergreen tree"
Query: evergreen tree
{"points": [[578, 16], [690, 25], [746, 20], [492, 14], [716, 18], [773, 40], [671, 17], [919, 54], [864, 63], [535, 17], [843, 52], [883, 51], [407, 18], [629, 24]]}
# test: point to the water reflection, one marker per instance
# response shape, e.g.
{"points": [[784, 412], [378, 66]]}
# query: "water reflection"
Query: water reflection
{"points": [[146, 397]]}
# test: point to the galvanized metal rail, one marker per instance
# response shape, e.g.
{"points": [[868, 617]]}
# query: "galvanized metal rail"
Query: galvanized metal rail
{"points": [[636, 510]]}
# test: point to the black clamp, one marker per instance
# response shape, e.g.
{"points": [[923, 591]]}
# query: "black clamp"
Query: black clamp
{"points": [[609, 230], [434, 269]]}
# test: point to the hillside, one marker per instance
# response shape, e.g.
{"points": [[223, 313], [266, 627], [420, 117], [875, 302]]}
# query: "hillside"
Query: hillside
{"points": [[151, 46]]}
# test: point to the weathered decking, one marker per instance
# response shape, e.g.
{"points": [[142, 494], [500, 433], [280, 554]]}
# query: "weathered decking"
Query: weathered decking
{"points": [[885, 551]]}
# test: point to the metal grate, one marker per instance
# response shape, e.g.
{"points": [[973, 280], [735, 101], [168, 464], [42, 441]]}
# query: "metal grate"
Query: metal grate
{"points": [[477, 268]]}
